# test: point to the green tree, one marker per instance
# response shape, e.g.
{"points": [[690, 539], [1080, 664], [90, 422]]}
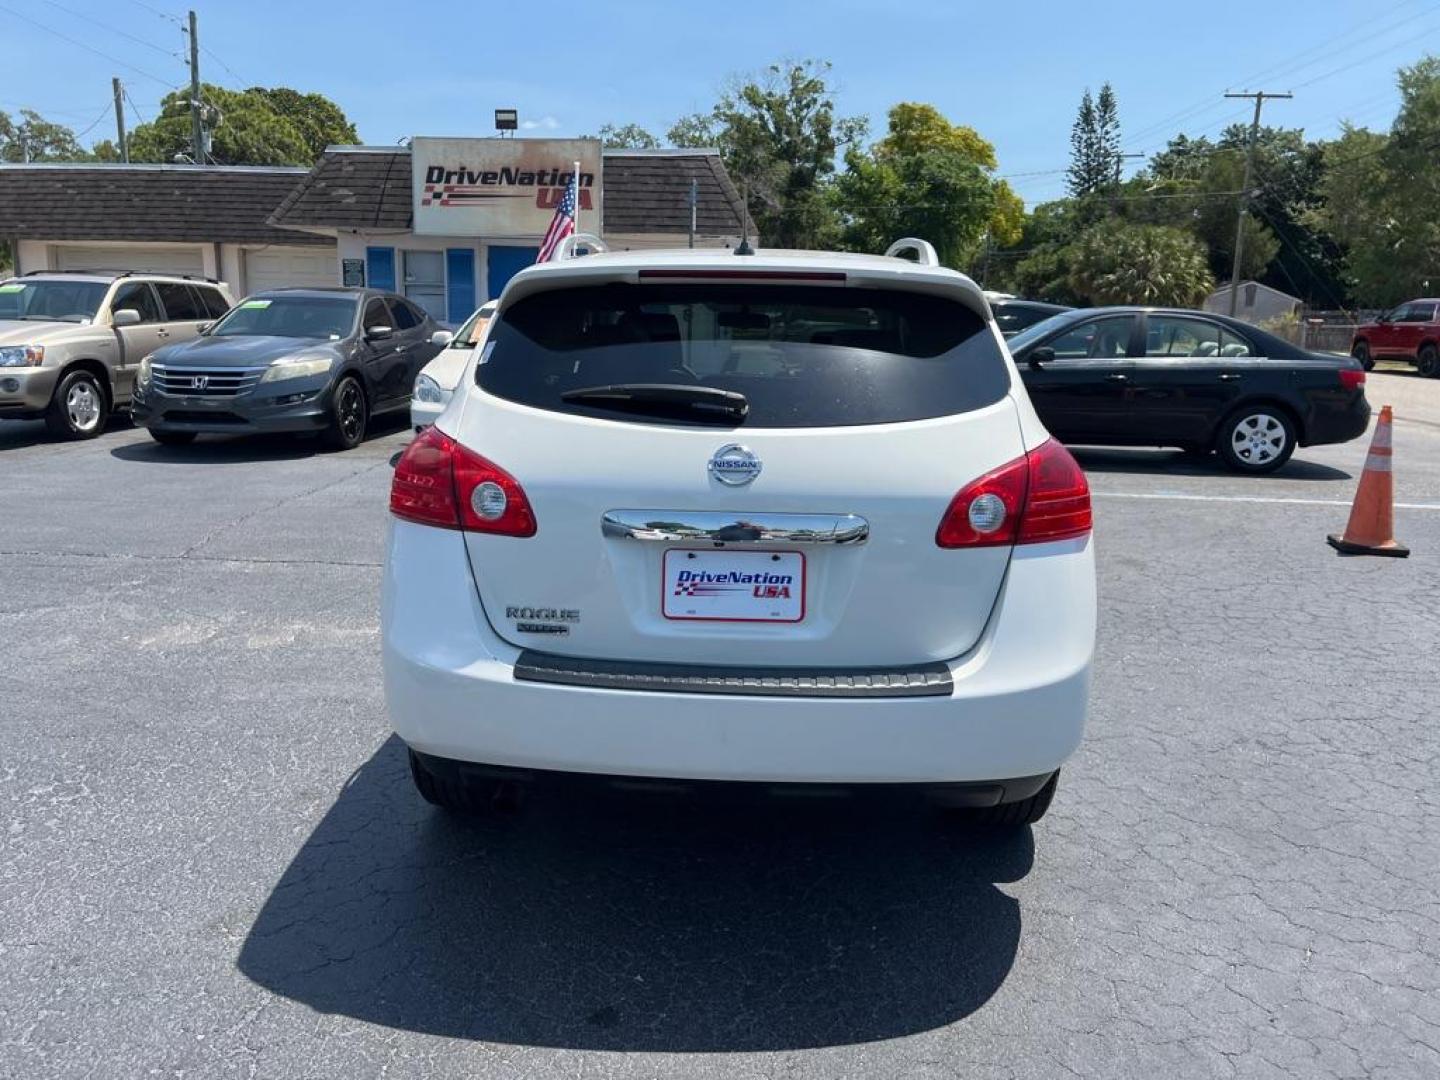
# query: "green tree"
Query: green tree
{"points": [[627, 137], [1115, 262], [1381, 196], [778, 136], [929, 178], [320, 121], [258, 126], [34, 138], [1094, 145]]}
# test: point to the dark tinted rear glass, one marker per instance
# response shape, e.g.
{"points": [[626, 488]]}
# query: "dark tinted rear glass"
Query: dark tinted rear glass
{"points": [[1013, 317], [803, 356], [181, 303]]}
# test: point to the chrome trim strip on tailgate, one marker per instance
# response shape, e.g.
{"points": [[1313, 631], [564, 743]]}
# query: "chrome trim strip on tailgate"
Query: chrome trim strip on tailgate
{"points": [[921, 680], [691, 526]]}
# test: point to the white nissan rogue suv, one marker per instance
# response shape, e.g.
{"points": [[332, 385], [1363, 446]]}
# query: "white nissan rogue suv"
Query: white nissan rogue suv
{"points": [[784, 517]]}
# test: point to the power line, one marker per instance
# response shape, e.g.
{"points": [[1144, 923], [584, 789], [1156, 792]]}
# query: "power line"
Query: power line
{"points": [[156, 11], [103, 114], [240, 79], [88, 48], [126, 91], [115, 30]]}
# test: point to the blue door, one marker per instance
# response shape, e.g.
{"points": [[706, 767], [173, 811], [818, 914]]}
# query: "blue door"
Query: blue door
{"points": [[503, 263]]}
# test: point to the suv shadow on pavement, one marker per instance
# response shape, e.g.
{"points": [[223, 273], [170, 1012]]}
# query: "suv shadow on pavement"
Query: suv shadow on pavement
{"points": [[1177, 462], [623, 921]]}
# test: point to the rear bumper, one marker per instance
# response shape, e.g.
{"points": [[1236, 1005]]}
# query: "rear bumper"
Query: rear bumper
{"points": [[1337, 423], [1017, 708]]}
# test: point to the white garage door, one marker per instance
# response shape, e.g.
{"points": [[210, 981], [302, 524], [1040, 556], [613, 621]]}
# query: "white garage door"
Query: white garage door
{"points": [[287, 267], [157, 260]]}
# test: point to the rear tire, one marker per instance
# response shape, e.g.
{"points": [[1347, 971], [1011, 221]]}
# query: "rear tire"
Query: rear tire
{"points": [[452, 794], [349, 414], [1256, 439], [79, 407], [172, 438], [1361, 352], [1015, 814], [1427, 361]]}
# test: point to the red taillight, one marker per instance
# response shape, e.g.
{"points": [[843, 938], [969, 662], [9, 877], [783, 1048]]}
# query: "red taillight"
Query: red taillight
{"points": [[1352, 379], [1036, 498], [438, 482]]}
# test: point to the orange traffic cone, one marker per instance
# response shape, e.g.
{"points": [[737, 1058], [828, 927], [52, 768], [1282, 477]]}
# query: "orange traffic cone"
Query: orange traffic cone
{"points": [[1371, 529]]}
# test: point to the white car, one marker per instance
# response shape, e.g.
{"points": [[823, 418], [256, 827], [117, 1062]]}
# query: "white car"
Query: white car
{"points": [[786, 518], [436, 383]]}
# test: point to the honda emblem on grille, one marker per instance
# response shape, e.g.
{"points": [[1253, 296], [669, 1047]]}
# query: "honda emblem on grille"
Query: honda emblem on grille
{"points": [[734, 464], [199, 382]]}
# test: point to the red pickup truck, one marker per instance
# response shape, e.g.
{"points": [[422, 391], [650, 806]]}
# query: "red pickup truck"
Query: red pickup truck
{"points": [[1410, 332]]}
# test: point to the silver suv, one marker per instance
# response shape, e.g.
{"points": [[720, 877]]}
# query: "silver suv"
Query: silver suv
{"points": [[71, 342]]}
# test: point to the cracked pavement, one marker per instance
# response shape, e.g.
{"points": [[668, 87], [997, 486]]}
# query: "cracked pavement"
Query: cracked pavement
{"points": [[213, 863]]}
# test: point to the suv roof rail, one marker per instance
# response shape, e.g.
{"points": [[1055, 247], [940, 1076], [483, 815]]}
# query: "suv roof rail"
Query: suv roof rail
{"points": [[566, 247], [923, 249], [125, 273]]}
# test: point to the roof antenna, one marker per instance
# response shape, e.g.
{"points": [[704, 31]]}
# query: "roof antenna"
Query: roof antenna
{"points": [[744, 247]]}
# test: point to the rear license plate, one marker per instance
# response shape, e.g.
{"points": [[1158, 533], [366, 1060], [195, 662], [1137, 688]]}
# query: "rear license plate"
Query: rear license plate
{"points": [[734, 586]]}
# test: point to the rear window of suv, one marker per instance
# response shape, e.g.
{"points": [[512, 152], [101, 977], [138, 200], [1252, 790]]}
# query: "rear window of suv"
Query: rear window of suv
{"points": [[803, 356]]}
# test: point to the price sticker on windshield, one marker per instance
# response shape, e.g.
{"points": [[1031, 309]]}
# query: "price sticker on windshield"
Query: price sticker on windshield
{"points": [[256, 304]]}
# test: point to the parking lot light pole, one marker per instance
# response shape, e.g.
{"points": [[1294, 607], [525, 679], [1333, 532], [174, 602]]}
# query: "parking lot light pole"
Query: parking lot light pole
{"points": [[1259, 96]]}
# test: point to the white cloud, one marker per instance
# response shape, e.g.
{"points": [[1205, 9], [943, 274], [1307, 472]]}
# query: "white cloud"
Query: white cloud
{"points": [[549, 123]]}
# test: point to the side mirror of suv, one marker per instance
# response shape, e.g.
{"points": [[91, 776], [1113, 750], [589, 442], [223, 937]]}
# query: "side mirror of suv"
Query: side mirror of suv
{"points": [[125, 317], [1040, 356], [379, 333], [441, 338]]}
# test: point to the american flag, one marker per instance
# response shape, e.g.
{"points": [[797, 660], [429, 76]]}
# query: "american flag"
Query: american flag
{"points": [[563, 224]]}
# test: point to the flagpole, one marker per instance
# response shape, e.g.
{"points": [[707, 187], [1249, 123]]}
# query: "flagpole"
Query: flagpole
{"points": [[576, 175]]}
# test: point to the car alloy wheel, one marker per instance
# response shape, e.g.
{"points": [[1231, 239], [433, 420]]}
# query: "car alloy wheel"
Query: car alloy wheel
{"points": [[1258, 439], [84, 406], [1428, 362], [350, 411]]}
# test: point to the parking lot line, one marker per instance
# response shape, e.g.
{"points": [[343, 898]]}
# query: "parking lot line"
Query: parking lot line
{"points": [[1175, 496]]}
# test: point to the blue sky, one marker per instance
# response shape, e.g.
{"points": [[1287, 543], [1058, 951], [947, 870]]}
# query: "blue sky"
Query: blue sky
{"points": [[1014, 72]]}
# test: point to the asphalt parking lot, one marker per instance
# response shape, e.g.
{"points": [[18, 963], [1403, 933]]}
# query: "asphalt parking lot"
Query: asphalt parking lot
{"points": [[214, 865]]}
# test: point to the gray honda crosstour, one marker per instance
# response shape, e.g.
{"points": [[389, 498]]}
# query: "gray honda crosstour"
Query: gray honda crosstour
{"points": [[289, 360]]}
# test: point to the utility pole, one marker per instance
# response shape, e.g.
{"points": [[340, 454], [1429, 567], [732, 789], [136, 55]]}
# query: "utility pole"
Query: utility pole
{"points": [[197, 129], [1244, 199], [120, 121]]}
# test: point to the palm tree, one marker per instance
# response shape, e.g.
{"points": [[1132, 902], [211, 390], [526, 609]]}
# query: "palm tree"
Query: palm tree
{"points": [[1118, 263]]}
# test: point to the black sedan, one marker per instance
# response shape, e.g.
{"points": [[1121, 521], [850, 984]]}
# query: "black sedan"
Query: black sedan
{"points": [[1134, 376], [1013, 314], [318, 360]]}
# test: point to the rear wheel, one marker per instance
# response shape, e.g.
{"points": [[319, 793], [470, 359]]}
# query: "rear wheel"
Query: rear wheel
{"points": [[1014, 814], [1361, 352], [78, 408], [1256, 439], [173, 438], [1427, 362], [348, 416]]}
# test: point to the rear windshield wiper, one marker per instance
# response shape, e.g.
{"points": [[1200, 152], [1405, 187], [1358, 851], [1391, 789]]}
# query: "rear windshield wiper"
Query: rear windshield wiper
{"points": [[706, 402]]}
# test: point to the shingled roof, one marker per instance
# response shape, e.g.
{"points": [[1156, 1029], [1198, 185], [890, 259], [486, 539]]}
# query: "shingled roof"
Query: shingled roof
{"points": [[183, 203], [646, 191]]}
